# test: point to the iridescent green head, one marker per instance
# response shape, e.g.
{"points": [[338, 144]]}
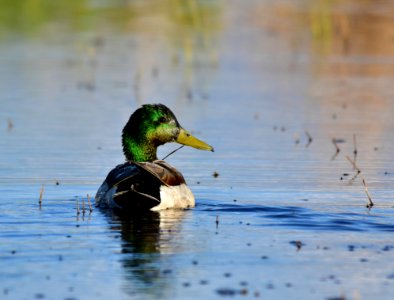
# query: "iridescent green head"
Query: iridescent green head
{"points": [[149, 127]]}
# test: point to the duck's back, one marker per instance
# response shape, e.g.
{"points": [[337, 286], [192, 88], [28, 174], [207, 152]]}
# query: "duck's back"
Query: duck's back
{"points": [[142, 186]]}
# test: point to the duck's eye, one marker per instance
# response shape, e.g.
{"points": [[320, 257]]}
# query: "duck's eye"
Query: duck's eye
{"points": [[162, 120]]}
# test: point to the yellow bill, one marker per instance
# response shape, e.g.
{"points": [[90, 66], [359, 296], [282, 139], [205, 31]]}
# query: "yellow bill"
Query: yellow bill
{"points": [[185, 138]]}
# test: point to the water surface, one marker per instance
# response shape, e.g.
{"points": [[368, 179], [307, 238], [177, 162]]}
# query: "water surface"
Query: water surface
{"points": [[282, 220]]}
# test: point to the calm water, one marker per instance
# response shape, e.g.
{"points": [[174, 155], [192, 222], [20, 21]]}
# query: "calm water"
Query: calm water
{"points": [[283, 220]]}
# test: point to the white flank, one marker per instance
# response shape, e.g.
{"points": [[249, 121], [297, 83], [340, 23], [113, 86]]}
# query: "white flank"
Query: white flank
{"points": [[179, 196]]}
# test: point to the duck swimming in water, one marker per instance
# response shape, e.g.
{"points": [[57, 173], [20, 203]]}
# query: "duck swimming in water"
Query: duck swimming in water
{"points": [[143, 182]]}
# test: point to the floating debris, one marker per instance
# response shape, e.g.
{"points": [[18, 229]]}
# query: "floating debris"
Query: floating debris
{"points": [[243, 292], [298, 244], [339, 140], [296, 139], [227, 292], [388, 248], [270, 286], [344, 175], [351, 248], [10, 125]]}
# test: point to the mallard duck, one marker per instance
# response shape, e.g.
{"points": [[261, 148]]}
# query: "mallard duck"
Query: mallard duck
{"points": [[143, 182]]}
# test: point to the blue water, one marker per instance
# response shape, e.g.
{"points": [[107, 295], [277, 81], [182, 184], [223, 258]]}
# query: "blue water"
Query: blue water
{"points": [[280, 221]]}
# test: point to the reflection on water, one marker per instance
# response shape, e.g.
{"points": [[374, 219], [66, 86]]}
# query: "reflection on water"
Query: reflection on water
{"points": [[144, 239]]}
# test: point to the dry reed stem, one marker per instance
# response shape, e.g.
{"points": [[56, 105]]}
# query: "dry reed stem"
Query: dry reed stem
{"points": [[354, 168], [90, 204], [333, 140], [41, 193], [78, 212], [83, 206], [355, 151], [370, 202]]}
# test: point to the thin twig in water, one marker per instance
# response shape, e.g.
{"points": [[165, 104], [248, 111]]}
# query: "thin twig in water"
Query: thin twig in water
{"points": [[172, 152], [354, 168], [217, 222], [78, 212], [90, 204], [370, 203], [83, 207], [310, 139], [334, 141], [41, 193]]}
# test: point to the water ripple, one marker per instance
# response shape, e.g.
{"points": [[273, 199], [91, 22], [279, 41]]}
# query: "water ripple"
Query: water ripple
{"points": [[294, 217]]}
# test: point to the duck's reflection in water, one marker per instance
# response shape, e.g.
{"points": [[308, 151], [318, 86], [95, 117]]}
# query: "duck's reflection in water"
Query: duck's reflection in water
{"points": [[144, 240]]}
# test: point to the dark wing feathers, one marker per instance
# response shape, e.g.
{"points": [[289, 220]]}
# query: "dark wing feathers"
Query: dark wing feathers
{"points": [[164, 172], [136, 186]]}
